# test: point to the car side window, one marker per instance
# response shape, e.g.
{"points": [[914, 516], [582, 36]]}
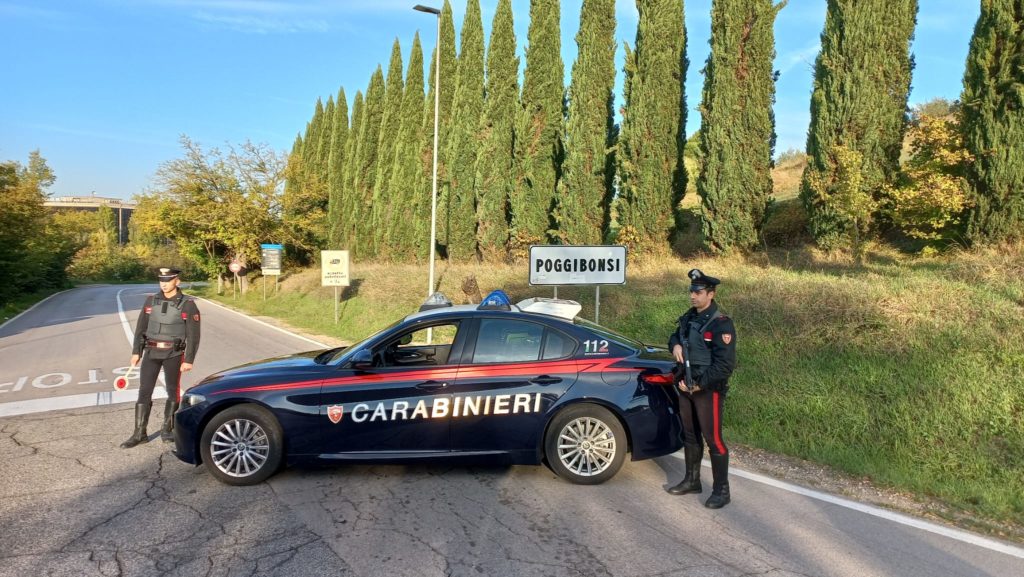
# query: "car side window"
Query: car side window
{"points": [[557, 345], [411, 349], [507, 341]]}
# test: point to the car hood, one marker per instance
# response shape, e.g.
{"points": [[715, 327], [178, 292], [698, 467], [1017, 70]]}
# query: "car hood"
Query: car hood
{"points": [[290, 365]]}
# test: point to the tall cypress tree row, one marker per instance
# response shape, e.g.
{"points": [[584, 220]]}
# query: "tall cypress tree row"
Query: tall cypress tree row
{"points": [[399, 235], [446, 44], [586, 186], [336, 170], [993, 122], [538, 129], [737, 134], [494, 178], [457, 204], [366, 171], [652, 177], [348, 196], [858, 113], [391, 123]]}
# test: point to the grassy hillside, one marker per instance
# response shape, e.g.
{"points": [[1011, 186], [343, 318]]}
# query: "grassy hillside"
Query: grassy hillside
{"points": [[909, 371]]}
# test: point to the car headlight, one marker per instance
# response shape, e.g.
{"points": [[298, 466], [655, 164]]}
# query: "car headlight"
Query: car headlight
{"points": [[192, 399]]}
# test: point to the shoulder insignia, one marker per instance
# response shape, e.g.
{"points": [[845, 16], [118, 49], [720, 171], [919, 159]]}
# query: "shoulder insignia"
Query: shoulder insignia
{"points": [[195, 317], [726, 338]]}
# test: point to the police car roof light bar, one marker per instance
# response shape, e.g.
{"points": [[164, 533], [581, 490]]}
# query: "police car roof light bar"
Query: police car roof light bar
{"points": [[496, 301], [435, 301], [561, 308]]}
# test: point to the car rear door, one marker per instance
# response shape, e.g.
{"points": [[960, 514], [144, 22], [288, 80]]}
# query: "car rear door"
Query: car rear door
{"points": [[513, 371]]}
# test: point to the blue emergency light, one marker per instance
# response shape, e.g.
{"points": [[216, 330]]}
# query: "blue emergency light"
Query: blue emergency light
{"points": [[496, 301]]}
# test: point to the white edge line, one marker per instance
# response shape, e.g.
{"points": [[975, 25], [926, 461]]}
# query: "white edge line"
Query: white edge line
{"points": [[900, 518], [15, 317], [255, 320]]}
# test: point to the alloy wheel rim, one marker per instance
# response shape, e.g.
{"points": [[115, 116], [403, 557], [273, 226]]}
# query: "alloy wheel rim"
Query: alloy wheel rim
{"points": [[586, 446], [239, 448]]}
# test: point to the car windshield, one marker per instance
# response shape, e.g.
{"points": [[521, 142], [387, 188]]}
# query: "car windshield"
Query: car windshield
{"points": [[610, 334], [343, 355]]}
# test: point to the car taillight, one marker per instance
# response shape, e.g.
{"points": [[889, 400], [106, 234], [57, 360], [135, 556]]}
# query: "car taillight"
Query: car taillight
{"points": [[657, 378]]}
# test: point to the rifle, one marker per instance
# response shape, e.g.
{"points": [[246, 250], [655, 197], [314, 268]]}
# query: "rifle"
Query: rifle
{"points": [[688, 380]]}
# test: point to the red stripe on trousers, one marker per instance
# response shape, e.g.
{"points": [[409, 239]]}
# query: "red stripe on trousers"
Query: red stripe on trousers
{"points": [[718, 424]]}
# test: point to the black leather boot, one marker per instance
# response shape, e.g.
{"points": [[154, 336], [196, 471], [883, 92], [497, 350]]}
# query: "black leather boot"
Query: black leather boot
{"points": [[166, 433], [141, 418], [691, 481], [720, 488]]}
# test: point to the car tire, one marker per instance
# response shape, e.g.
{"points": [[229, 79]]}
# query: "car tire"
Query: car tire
{"points": [[242, 445], [585, 444]]}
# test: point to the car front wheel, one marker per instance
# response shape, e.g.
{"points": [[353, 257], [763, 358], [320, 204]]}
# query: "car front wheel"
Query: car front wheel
{"points": [[585, 444], [242, 445]]}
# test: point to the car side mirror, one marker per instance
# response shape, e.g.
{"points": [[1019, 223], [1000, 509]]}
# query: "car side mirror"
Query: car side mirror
{"points": [[363, 359]]}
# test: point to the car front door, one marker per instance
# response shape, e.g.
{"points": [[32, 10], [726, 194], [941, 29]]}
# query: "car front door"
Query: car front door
{"points": [[514, 371], [400, 405]]}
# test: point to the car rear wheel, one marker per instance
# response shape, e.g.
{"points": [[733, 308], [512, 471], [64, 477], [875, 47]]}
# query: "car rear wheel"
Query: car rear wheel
{"points": [[585, 444], [242, 445]]}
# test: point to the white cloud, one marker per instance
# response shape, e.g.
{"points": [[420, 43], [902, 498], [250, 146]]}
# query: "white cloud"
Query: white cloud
{"points": [[785, 62]]}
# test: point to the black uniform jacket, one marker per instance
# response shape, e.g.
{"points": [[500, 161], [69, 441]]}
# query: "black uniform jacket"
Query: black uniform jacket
{"points": [[720, 338], [190, 314]]}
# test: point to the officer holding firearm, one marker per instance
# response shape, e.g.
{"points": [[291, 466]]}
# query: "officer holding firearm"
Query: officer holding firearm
{"points": [[705, 344], [166, 337]]}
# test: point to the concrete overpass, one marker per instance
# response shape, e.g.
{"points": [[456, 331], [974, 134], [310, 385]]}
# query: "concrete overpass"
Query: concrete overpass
{"points": [[122, 208]]}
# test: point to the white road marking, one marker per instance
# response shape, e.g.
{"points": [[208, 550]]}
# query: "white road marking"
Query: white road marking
{"points": [[74, 401], [287, 332], [962, 536]]}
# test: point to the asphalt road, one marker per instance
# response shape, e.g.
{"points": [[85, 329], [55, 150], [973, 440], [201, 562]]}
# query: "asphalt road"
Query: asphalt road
{"points": [[73, 503]]}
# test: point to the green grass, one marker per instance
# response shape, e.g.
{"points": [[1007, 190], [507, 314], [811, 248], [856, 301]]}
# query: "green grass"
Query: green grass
{"points": [[909, 371], [22, 303]]}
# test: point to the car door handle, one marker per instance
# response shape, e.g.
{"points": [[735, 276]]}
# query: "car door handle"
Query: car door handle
{"points": [[545, 380], [431, 385]]}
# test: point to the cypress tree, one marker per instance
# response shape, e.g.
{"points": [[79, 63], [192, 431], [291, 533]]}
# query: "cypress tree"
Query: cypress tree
{"points": [[323, 147], [391, 123], [586, 186], [312, 137], [336, 170], [366, 170], [494, 178], [539, 129], [348, 196], [737, 135], [457, 204], [993, 122], [858, 113], [292, 179], [652, 176], [406, 168]]}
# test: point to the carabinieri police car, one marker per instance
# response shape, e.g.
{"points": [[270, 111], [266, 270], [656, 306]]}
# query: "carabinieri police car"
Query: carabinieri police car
{"points": [[529, 383]]}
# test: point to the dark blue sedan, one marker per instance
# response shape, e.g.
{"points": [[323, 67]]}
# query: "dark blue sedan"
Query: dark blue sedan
{"points": [[530, 383]]}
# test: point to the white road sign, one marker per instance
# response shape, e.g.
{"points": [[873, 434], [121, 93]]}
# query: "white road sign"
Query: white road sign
{"points": [[334, 268], [577, 265]]}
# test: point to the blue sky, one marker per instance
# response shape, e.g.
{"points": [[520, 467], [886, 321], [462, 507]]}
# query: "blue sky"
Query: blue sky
{"points": [[105, 88]]}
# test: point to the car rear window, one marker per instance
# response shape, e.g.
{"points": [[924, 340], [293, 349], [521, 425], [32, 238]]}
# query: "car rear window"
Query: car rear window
{"points": [[507, 341]]}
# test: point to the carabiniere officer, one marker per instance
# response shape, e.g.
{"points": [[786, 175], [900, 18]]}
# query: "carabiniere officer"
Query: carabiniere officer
{"points": [[166, 337], [707, 339]]}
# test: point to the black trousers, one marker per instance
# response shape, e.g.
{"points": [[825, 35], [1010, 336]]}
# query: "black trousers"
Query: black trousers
{"points": [[150, 369], [701, 413]]}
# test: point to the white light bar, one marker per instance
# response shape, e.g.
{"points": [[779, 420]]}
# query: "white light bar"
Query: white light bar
{"points": [[562, 308]]}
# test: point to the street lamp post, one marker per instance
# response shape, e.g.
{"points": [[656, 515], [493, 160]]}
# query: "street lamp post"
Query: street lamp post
{"points": [[437, 100]]}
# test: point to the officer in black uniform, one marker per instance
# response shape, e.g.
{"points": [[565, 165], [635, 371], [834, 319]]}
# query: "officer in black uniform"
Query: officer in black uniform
{"points": [[167, 335], [707, 338]]}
